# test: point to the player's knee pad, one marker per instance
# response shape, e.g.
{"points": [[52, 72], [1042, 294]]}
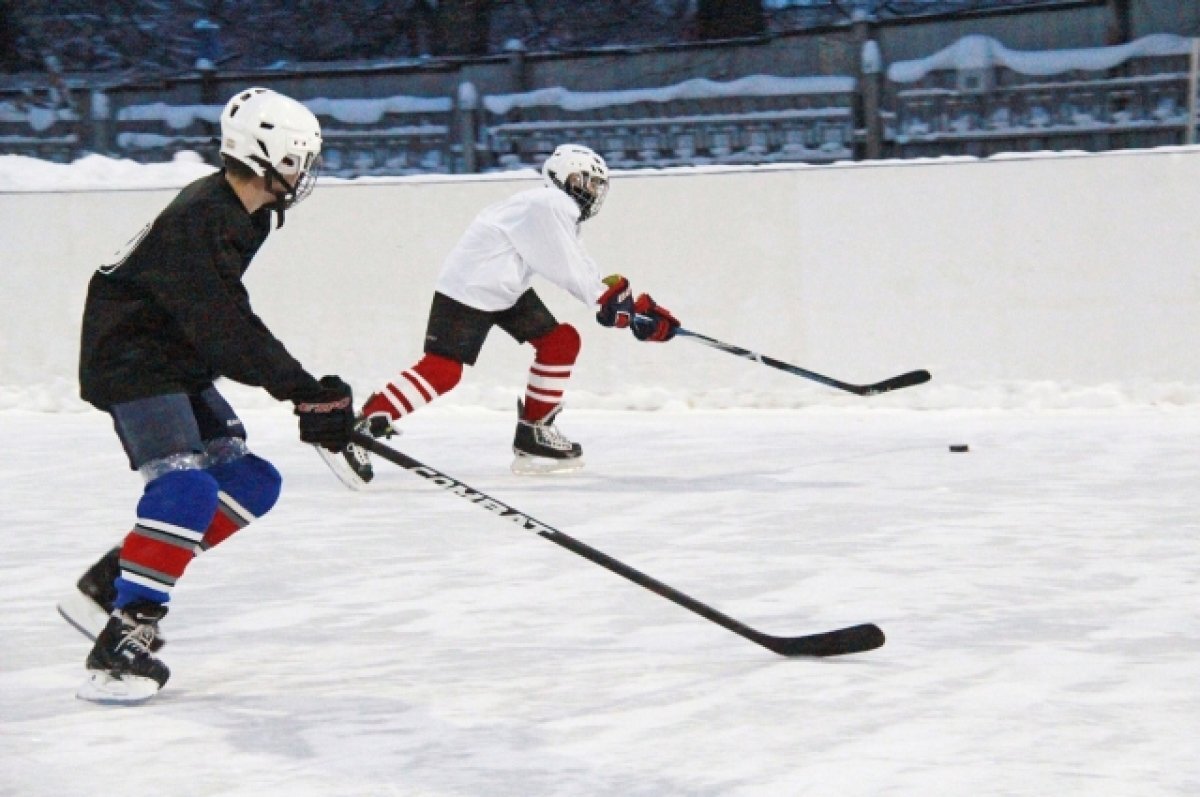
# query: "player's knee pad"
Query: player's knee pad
{"points": [[440, 372], [249, 480], [559, 346], [185, 499]]}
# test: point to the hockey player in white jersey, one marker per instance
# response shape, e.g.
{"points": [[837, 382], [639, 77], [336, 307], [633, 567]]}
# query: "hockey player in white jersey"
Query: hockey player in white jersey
{"points": [[486, 281]]}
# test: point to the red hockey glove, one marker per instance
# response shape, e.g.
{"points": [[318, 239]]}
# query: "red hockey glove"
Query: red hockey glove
{"points": [[616, 303], [653, 322]]}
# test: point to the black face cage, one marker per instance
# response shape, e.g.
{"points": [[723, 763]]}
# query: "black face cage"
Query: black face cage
{"points": [[305, 184], [588, 202], [291, 195]]}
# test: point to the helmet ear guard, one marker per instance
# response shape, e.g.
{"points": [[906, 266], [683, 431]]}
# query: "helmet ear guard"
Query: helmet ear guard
{"points": [[590, 185]]}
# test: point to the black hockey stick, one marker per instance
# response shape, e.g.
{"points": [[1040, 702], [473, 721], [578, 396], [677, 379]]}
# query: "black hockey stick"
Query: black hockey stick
{"points": [[854, 639], [894, 383]]}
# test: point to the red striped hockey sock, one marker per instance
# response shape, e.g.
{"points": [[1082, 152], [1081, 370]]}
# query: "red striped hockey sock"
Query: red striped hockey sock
{"points": [[416, 387], [229, 518], [551, 370], [172, 516]]}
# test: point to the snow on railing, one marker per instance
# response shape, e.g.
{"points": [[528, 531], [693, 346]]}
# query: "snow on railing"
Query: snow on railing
{"points": [[176, 117], [983, 52], [347, 111], [370, 111], [38, 118], [696, 89]]}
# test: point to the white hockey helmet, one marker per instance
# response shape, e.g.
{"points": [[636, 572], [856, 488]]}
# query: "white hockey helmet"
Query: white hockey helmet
{"points": [[591, 186], [273, 136]]}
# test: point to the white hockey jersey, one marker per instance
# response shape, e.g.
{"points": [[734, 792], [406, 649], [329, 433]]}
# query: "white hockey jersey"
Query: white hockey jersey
{"points": [[533, 232]]}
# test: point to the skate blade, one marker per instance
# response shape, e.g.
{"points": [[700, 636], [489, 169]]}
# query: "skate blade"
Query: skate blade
{"points": [[337, 463], [525, 465], [87, 616], [102, 688]]}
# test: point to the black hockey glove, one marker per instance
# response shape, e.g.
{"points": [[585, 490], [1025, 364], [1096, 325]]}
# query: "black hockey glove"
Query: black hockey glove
{"points": [[616, 303], [327, 414], [652, 321]]}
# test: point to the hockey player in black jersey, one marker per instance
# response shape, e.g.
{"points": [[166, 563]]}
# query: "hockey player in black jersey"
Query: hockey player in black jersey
{"points": [[163, 321]]}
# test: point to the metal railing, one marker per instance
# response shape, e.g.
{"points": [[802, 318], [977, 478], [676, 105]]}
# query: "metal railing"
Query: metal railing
{"points": [[974, 98]]}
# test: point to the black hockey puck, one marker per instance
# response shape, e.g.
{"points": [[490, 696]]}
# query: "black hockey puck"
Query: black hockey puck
{"points": [[960, 448]]}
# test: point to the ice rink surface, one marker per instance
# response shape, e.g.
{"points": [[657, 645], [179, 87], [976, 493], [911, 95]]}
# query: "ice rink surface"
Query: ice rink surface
{"points": [[1040, 594]]}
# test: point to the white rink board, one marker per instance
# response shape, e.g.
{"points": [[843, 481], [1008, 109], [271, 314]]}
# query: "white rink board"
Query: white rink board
{"points": [[1048, 279]]}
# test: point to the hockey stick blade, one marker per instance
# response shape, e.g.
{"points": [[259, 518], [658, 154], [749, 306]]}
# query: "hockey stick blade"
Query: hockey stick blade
{"points": [[843, 641], [855, 639], [895, 383]]}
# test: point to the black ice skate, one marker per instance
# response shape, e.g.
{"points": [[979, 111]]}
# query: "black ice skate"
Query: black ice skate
{"points": [[121, 667], [89, 607], [541, 448], [352, 465]]}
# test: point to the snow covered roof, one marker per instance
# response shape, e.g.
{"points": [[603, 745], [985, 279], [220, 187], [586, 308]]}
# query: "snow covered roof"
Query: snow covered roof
{"points": [[983, 52]]}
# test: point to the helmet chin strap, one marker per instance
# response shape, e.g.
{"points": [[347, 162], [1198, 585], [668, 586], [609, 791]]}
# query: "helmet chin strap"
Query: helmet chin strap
{"points": [[284, 197]]}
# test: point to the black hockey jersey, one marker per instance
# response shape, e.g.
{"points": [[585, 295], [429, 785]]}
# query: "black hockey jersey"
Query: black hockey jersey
{"points": [[172, 314]]}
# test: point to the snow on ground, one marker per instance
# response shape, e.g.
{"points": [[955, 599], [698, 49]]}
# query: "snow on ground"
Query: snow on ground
{"points": [[1039, 594]]}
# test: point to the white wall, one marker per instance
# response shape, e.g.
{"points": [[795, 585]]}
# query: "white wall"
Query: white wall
{"points": [[1068, 280]]}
